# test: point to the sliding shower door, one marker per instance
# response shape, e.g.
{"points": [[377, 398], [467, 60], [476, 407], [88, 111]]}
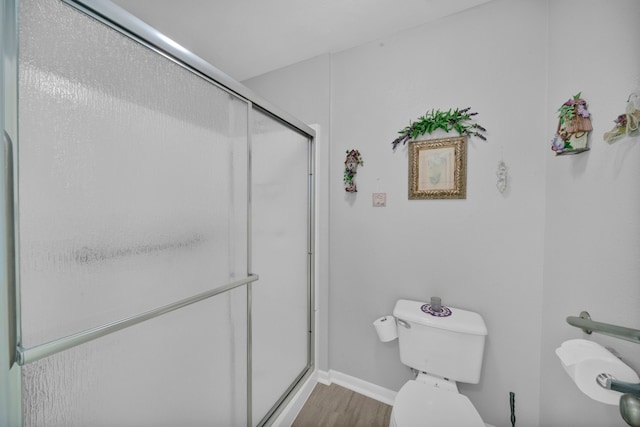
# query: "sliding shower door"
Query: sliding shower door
{"points": [[145, 196], [281, 254], [132, 196]]}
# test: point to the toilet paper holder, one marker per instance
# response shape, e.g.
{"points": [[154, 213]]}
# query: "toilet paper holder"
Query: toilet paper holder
{"points": [[609, 382], [629, 403], [588, 326]]}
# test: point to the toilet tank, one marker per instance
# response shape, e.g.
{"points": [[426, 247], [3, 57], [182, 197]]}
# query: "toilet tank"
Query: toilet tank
{"points": [[451, 347]]}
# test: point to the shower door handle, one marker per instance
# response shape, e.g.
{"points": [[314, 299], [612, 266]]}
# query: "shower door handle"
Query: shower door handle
{"points": [[9, 247]]}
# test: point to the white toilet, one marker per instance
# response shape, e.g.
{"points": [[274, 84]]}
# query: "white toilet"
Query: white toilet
{"points": [[445, 345]]}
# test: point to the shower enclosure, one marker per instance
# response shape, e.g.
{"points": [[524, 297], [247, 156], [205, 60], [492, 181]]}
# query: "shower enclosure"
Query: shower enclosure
{"points": [[157, 230]]}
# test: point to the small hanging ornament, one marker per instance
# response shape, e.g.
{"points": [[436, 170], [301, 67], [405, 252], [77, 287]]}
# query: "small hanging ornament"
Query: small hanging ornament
{"points": [[501, 173], [574, 125], [354, 159], [627, 123]]}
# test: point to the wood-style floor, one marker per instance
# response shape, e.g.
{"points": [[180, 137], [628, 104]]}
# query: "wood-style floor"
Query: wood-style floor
{"points": [[335, 406]]}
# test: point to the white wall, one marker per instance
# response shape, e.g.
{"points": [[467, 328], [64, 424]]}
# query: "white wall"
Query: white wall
{"points": [[502, 255], [592, 236]]}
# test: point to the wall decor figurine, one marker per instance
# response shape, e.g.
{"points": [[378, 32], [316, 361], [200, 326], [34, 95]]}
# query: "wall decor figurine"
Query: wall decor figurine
{"points": [[353, 160], [459, 120], [574, 125], [627, 123], [501, 173]]}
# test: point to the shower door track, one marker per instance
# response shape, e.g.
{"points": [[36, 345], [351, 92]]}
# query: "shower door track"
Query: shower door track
{"points": [[122, 21]]}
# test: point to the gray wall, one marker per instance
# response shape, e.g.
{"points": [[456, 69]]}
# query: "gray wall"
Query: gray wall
{"points": [[304, 90], [563, 238]]}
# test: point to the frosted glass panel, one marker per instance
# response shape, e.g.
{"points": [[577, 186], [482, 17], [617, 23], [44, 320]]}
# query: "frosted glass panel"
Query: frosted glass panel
{"points": [[280, 229], [186, 368], [132, 176]]}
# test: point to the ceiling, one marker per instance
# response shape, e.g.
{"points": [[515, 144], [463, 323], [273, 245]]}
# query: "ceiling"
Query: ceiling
{"points": [[246, 38]]}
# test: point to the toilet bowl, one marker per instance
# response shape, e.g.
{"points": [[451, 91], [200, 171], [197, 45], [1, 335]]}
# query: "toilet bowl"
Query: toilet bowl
{"points": [[422, 405]]}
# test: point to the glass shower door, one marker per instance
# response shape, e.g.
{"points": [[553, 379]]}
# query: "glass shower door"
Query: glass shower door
{"points": [[134, 246], [281, 245], [132, 192]]}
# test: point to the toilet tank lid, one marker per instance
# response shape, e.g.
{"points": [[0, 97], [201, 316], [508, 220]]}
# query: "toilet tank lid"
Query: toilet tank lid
{"points": [[463, 321]]}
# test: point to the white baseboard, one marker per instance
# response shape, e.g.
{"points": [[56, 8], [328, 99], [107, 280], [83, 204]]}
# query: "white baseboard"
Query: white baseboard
{"points": [[365, 388], [324, 377]]}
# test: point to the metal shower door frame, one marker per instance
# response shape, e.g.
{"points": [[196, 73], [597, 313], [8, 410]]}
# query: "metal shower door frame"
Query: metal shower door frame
{"points": [[10, 371]]}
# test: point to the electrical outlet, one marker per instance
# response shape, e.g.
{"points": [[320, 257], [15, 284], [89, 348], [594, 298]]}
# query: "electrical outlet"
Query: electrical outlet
{"points": [[379, 199]]}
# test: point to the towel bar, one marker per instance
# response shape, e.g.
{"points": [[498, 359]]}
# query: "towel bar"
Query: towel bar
{"points": [[585, 323]]}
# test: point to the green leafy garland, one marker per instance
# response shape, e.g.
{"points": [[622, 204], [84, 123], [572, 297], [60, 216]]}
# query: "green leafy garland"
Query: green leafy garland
{"points": [[567, 111], [459, 120]]}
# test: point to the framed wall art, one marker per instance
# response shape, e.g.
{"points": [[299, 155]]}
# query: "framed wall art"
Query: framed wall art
{"points": [[438, 168]]}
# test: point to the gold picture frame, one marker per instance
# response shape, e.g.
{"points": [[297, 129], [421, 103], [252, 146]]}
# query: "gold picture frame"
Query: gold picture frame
{"points": [[438, 168]]}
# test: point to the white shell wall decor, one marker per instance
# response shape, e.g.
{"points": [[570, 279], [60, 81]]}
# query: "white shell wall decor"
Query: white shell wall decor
{"points": [[627, 124], [501, 173]]}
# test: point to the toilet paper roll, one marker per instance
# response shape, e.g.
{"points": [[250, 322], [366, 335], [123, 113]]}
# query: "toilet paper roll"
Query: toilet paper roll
{"points": [[584, 360], [386, 328]]}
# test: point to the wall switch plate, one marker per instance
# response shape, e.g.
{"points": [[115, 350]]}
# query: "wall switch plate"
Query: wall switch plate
{"points": [[379, 199]]}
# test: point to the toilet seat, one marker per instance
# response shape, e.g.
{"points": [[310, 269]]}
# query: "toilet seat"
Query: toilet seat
{"points": [[419, 405]]}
